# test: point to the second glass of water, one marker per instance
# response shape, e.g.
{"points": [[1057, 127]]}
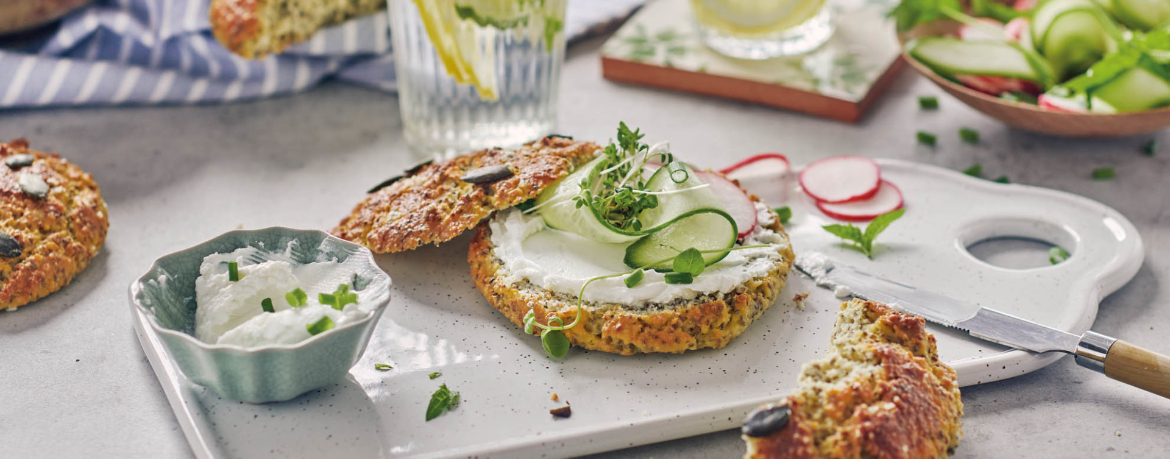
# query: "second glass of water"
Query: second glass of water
{"points": [[763, 29], [476, 74]]}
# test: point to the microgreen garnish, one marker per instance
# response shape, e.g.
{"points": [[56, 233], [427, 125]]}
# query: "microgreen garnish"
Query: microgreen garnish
{"points": [[383, 367], [435, 375], [635, 278], [690, 261], [1057, 255], [785, 213], [1104, 173], [320, 326], [555, 343], [1150, 148], [969, 135], [442, 400], [928, 102], [976, 170], [927, 138], [864, 240], [233, 271], [266, 305], [339, 298], [296, 298]]}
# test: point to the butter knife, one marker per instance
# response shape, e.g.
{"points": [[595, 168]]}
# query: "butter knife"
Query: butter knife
{"points": [[1115, 358]]}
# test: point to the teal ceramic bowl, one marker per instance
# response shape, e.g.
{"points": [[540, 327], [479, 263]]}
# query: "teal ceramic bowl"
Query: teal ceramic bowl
{"points": [[166, 295]]}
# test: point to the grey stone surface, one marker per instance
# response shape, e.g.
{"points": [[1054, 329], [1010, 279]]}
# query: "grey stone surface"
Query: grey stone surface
{"points": [[76, 384]]}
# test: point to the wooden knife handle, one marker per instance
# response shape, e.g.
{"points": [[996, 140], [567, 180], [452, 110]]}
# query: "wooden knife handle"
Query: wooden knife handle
{"points": [[1138, 367]]}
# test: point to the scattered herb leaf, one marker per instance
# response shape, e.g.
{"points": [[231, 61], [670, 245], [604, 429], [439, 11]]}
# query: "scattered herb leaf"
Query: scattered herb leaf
{"points": [[435, 375], [1150, 148], [266, 305], [927, 138], [785, 213], [864, 240], [233, 271], [555, 343], [969, 135], [383, 367], [928, 102], [690, 261], [1002, 179], [1057, 255], [679, 278], [296, 298], [634, 278], [442, 400], [976, 170], [1104, 173], [320, 326]]}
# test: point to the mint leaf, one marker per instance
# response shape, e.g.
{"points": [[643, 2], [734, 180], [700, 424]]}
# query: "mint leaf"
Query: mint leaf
{"points": [[442, 400], [847, 232], [785, 214], [863, 241], [690, 261]]}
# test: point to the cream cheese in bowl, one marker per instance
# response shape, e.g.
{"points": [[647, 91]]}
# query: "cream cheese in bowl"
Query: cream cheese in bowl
{"points": [[233, 312]]}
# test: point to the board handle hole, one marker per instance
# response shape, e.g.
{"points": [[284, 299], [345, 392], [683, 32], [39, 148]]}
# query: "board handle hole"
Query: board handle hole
{"points": [[1017, 243]]}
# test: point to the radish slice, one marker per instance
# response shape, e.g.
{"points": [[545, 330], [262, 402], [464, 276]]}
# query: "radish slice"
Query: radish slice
{"points": [[971, 33], [887, 199], [995, 85], [1016, 28], [1025, 5], [1061, 104], [735, 201], [763, 163], [841, 179]]}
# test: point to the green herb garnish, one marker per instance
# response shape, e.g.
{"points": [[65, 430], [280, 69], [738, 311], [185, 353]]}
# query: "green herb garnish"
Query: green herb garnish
{"points": [[617, 194], [383, 367], [266, 305], [555, 343], [928, 102], [435, 375], [635, 278], [1002, 179], [296, 298], [976, 170], [442, 400], [1150, 148], [233, 271], [927, 138], [1057, 255], [320, 326], [785, 214], [969, 135], [679, 278], [864, 240], [690, 261], [1104, 173], [339, 298]]}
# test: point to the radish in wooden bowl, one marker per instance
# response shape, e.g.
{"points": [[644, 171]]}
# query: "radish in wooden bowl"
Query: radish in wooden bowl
{"points": [[1063, 67]]}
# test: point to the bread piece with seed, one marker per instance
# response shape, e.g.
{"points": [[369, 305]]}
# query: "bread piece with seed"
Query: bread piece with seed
{"points": [[709, 320], [52, 223], [434, 203], [256, 28], [881, 392]]}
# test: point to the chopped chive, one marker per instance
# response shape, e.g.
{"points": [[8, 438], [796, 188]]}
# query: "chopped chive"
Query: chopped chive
{"points": [[1104, 173], [383, 367], [320, 326], [928, 102], [1150, 148], [233, 271], [927, 138], [435, 375], [327, 298], [679, 278], [969, 135], [976, 170], [297, 298], [1002, 179], [635, 278], [785, 213], [1057, 255], [266, 304]]}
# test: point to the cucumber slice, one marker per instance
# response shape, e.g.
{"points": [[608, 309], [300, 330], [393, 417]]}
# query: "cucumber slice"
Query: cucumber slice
{"points": [[560, 211], [702, 229], [1074, 42], [1142, 14], [1135, 90], [1050, 12], [950, 56]]}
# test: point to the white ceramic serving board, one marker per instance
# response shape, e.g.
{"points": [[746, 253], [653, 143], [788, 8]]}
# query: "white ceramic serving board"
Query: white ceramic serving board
{"points": [[437, 321]]}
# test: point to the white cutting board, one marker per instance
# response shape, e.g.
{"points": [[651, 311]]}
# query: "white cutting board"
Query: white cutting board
{"points": [[438, 321]]}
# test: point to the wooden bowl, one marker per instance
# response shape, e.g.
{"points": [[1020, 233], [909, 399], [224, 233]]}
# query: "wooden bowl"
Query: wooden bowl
{"points": [[1030, 117]]}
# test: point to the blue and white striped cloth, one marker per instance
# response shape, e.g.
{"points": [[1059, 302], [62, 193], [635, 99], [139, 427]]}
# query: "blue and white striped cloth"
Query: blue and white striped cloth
{"points": [[118, 52]]}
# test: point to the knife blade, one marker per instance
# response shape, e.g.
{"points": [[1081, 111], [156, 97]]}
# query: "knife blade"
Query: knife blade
{"points": [[1117, 359]]}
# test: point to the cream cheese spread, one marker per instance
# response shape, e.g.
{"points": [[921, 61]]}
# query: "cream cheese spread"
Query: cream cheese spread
{"points": [[562, 262], [230, 312]]}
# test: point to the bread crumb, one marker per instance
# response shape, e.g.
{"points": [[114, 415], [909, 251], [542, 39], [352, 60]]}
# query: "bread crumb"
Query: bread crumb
{"points": [[1118, 433], [799, 299], [555, 397]]}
